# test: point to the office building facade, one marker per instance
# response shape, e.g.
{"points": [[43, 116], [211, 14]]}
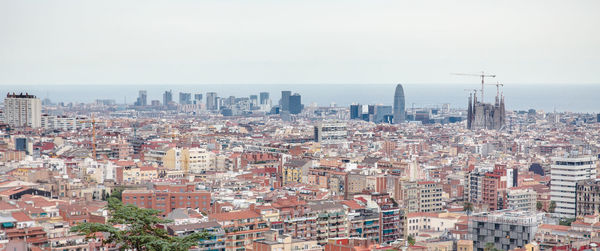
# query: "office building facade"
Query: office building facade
{"points": [[264, 98], [295, 104], [284, 103], [167, 98], [399, 109], [142, 99], [211, 101], [185, 98], [197, 98]]}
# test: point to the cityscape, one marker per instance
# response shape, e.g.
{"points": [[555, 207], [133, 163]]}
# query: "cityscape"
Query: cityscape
{"points": [[213, 167]]}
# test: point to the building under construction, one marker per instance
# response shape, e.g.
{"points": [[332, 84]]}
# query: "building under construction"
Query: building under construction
{"points": [[485, 115]]}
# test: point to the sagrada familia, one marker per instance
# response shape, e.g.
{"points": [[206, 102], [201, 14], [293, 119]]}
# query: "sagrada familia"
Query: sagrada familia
{"points": [[484, 115]]}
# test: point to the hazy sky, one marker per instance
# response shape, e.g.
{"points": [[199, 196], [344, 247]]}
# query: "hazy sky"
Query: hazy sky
{"points": [[304, 41]]}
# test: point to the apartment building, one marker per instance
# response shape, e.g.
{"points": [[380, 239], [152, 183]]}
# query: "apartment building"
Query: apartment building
{"points": [[364, 223], [242, 228], [521, 199], [565, 172], [168, 198], [507, 230], [588, 197], [22, 110]]}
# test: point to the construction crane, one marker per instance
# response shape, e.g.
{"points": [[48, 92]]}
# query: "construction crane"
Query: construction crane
{"points": [[482, 75], [497, 84], [93, 122], [468, 90]]}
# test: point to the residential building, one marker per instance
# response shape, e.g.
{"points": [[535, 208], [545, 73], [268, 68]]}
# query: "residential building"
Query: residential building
{"points": [[277, 242], [521, 199], [565, 172], [242, 228], [588, 197], [331, 133], [168, 198], [216, 241], [507, 230], [22, 110], [364, 223]]}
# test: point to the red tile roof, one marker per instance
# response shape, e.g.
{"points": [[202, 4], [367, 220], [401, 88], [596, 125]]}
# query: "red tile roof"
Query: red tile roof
{"points": [[228, 216], [20, 216], [6, 206], [352, 204], [554, 227]]}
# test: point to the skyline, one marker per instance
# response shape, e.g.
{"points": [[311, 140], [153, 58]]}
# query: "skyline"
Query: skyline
{"points": [[220, 42], [576, 98]]}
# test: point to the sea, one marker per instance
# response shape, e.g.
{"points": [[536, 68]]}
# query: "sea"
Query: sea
{"points": [[582, 98]]}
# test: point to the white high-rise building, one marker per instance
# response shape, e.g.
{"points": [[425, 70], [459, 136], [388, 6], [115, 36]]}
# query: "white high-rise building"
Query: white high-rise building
{"points": [[564, 174], [22, 110], [331, 133]]}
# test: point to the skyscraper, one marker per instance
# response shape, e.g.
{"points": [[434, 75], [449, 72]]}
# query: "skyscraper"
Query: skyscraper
{"points": [[399, 112], [264, 98], [142, 99], [295, 104], [211, 101], [382, 114], [22, 110], [254, 100], [197, 98], [355, 112], [167, 97], [185, 98], [285, 100]]}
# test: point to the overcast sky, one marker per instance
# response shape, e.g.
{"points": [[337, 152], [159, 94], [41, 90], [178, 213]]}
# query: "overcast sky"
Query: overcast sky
{"points": [[289, 41]]}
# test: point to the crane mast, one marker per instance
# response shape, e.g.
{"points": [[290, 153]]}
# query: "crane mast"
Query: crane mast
{"points": [[482, 75]]}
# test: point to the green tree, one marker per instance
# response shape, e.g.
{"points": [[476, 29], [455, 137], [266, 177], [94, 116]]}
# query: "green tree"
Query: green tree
{"points": [[539, 205], [490, 247], [117, 192], [552, 206], [468, 206], [141, 232], [411, 240], [566, 222]]}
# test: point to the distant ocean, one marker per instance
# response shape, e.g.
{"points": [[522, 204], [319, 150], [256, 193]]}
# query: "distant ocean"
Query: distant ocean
{"points": [[568, 97]]}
